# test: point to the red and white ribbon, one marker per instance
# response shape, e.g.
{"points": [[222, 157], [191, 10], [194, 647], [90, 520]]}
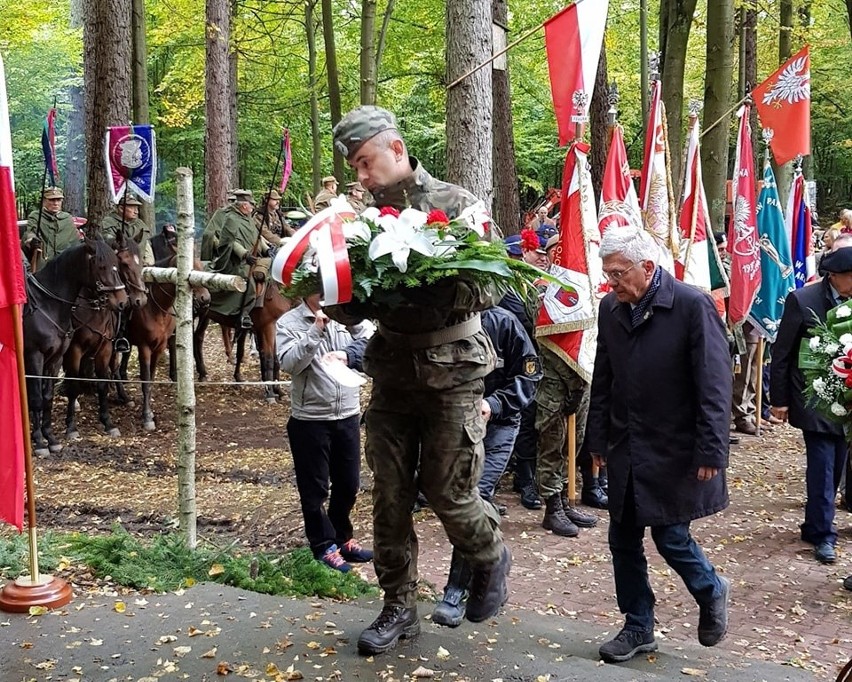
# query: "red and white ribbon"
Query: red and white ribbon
{"points": [[842, 366], [325, 232]]}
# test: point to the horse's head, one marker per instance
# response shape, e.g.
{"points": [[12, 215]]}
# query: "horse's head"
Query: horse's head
{"points": [[102, 273], [200, 295], [130, 269]]}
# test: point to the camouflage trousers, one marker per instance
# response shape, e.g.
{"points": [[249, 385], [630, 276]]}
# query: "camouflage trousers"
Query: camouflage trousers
{"points": [[561, 392], [442, 431]]}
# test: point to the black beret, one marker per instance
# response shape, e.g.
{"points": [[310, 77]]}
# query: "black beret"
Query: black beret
{"points": [[837, 261]]}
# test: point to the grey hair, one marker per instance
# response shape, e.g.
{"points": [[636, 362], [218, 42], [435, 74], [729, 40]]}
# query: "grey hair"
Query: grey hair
{"points": [[633, 243], [842, 241], [384, 139]]}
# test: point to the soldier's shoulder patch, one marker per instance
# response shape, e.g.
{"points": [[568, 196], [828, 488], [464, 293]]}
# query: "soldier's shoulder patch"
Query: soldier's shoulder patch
{"points": [[532, 366]]}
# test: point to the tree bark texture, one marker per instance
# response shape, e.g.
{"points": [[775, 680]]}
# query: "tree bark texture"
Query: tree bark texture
{"points": [[381, 39], [717, 101], [599, 124], [507, 202], [469, 114], [368, 52], [75, 133], [140, 86], [644, 83], [333, 79], [316, 142], [236, 180], [678, 24], [217, 100], [106, 80], [784, 173], [748, 36]]}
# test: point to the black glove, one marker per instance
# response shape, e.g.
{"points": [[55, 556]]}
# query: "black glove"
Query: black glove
{"points": [[34, 243], [271, 251], [251, 260]]}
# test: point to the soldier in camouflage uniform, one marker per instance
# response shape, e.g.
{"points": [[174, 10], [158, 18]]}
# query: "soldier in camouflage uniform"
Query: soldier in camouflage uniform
{"points": [[213, 230], [125, 218], [428, 363], [54, 233], [561, 392], [327, 194]]}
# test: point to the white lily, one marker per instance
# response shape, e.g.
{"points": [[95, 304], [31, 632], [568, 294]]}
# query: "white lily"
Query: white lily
{"points": [[357, 229], [443, 247], [401, 236], [476, 217], [370, 214]]}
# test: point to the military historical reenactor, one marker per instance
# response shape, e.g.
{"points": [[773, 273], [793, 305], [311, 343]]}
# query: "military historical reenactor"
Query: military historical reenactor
{"points": [[269, 220], [327, 194], [125, 218], [213, 230], [50, 230], [355, 196]]}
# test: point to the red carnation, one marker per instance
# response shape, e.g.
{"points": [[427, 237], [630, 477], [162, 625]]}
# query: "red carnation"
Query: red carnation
{"points": [[389, 210], [437, 216], [529, 240], [848, 381]]}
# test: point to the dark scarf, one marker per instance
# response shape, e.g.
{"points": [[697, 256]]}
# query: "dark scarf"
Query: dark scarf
{"points": [[637, 314]]}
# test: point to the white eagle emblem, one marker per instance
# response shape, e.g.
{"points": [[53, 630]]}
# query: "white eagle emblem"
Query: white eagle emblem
{"points": [[792, 86]]}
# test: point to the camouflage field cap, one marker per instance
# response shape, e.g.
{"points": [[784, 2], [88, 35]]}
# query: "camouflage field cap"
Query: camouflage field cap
{"points": [[359, 125], [53, 193], [130, 200]]}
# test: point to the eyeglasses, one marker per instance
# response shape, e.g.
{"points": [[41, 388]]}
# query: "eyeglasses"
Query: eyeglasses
{"points": [[616, 275]]}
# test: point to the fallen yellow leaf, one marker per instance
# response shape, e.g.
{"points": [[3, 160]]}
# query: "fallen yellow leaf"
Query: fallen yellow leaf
{"points": [[38, 610], [119, 607]]}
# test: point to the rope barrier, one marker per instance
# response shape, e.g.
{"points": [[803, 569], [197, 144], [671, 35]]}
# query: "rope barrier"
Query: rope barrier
{"points": [[165, 382]]}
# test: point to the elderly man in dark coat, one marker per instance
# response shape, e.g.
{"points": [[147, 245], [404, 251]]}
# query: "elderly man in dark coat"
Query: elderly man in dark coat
{"points": [[825, 446], [666, 456]]}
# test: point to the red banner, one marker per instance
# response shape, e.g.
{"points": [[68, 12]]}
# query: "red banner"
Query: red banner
{"points": [[783, 102]]}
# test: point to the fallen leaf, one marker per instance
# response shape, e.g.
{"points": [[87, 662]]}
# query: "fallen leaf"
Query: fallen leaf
{"points": [[313, 645], [423, 672], [165, 639], [443, 654], [38, 610], [210, 654], [119, 607], [216, 569], [693, 672], [182, 650], [223, 668]]}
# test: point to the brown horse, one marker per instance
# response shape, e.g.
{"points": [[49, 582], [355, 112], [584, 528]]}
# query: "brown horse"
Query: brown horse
{"points": [[48, 322], [263, 321], [96, 330], [150, 329]]}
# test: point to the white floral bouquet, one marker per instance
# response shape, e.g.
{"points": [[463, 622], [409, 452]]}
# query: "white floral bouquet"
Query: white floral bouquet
{"points": [[826, 363], [357, 257]]}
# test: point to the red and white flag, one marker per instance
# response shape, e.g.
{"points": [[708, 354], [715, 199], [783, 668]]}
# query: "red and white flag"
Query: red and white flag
{"points": [[799, 228], [693, 263], [12, 293], [743, 240], [573, 40], [619, 203], [654, 196], [567, 318], [783, 102]]}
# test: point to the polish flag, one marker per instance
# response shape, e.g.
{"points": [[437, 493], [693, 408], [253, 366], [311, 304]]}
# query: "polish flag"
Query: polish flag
{"points": [[783, 103], [573, 40], [12, 293], [800, 231], [743, 240], [619, 203], [654, 196]]}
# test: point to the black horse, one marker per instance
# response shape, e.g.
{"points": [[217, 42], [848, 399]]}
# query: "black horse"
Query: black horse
{"points": [[48, 322]]}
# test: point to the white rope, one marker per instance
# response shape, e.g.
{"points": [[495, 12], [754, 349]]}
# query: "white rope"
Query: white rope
{"points": [[165, 382]]}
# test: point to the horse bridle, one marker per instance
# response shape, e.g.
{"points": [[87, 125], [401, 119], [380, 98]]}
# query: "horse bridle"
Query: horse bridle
{"points": [[132, 285]]}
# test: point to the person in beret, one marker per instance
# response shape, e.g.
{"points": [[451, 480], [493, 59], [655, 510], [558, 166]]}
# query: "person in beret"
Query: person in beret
{"points": [[825, 443]]}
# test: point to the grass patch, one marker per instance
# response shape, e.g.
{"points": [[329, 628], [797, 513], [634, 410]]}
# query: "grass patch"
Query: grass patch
{"points": [[164, 564]]}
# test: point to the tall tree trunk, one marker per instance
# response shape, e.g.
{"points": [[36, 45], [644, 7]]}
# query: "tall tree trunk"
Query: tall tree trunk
{"points": [[236, 180], [316, 142], [600, 126], [106, 79], [678, 25], [644, 83], [784, 173], [333, 80], [849, 16], [381, 39], [368, 52], [748, 38], [217, 99], [140, 85], [75, 133], [717, 102], [469, 115], [507, 202]]}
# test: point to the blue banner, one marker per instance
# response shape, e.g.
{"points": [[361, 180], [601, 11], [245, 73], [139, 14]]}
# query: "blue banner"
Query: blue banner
{"points": [[131, 160]]}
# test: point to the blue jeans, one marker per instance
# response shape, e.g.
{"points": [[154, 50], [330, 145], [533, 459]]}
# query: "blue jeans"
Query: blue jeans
{"points": [[826, 456], [499, 443], [630, 567]]}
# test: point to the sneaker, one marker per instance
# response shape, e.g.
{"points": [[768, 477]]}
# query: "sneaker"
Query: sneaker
{"points": [[713, 618], [626, 644], [332, 558], [355, 553], [395, 622]]}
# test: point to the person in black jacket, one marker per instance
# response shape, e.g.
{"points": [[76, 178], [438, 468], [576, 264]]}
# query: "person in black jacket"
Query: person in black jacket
{"points": [[508, 390], [825, 445]]}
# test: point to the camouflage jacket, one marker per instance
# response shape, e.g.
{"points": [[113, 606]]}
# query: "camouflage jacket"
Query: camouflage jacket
{"points": [[57, 229]]}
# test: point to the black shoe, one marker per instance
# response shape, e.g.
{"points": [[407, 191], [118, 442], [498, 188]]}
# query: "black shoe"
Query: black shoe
{"points": [[502, 509], [824, 553], [450, 611], [733, 440], [579, 518], [517, 485], [848, 583], [420, 503], [594, 497], [555, 519], [529, 497], [488, 589], [395, 622], [121, 345], [713, 618], [626, 644]]}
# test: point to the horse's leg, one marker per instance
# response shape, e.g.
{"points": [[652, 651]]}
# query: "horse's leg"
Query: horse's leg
{"points": [[145, 376], [35, 367], [276, 367], [266, 351], [121, 375], [240, 338], [198, 347], [71, 364], [47, 404], [228, 342], [172, 358], [103, 370]]}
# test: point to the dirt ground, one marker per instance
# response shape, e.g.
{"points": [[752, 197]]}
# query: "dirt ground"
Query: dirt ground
{"points": [[785, 606]]}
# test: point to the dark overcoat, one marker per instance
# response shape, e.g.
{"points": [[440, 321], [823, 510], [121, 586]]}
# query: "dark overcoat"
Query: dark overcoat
{"points": [[803, 309], [661, 404]]}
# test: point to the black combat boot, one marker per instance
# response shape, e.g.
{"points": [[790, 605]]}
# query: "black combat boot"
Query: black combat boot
{"points": [[395, 622], [525, 484], [592, 494], [450, 611], [603, 480], [555, 519], [488, 589], [574, 515]]}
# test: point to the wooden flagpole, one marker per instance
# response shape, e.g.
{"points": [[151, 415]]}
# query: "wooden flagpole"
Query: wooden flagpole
{"points": [[758, 399], [496, 55]]}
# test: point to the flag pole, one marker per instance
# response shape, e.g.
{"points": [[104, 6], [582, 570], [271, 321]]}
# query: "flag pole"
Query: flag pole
{"points": [[694, 108], [758, 419], [34, 589], [496, 55]]}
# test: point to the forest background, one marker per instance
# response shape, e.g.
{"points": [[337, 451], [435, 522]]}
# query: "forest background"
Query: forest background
{"points": [[286, 66]]}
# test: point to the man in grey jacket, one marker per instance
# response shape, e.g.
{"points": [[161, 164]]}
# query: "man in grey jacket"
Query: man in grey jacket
{"points": [[324, 428]]}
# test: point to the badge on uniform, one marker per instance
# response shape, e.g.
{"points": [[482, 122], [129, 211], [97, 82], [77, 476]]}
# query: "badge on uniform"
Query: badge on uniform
{"points": [[531, 366]]}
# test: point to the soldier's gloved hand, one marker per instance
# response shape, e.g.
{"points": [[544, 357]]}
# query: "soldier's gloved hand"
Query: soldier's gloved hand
{"points": [[271, 251], [251, 260], [34, 243]]}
